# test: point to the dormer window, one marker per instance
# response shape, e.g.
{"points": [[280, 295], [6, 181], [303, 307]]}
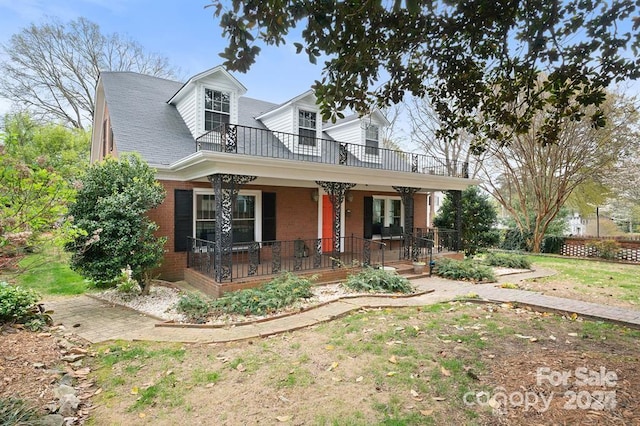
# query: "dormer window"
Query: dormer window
{"points": [[217, 109], [372, 140], [307, 128]]}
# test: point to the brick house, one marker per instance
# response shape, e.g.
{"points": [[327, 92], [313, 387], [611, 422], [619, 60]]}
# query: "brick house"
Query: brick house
{"points": [[254, 188]]}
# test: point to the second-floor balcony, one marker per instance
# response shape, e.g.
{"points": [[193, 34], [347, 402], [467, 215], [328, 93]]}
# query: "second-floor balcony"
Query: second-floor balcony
{"points": [[243, 140]]}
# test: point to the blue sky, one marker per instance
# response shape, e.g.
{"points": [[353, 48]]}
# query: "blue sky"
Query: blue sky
{"points": [[182, 30]]}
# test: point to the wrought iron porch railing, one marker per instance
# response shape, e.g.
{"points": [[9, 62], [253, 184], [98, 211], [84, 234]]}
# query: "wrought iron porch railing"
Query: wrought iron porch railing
{"points": [[273, 257], [443, 239], [233, 138]]}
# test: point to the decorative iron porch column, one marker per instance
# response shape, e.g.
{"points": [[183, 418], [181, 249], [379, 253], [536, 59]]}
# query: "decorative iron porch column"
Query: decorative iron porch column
{"points": [[406, 194], [225, 191], [457, 203], [336, 191]]}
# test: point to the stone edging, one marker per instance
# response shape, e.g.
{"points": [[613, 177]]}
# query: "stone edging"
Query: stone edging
{"points": [[123, 306]]}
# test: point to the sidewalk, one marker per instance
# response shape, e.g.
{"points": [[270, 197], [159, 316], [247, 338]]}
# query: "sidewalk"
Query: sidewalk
{"points": [[98, 321]]}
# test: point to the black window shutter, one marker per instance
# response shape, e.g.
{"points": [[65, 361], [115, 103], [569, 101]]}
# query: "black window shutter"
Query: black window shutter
{"points": [[268, 216], [368, 217], [183, 215]]}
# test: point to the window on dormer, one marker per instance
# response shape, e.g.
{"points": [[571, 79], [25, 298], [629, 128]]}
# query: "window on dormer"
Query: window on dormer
{"points": [[307, 128], [372, 140], [217, 109]]}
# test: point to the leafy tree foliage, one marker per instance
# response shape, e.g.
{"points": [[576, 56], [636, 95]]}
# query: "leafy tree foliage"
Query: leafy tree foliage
{"points": [[110, 209], [52, 69], [50, 146], [478, 218], [32, 200], [488, 66], [35, 181]]}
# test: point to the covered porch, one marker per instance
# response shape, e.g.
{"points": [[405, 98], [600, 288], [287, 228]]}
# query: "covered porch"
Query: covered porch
{"points": [[242, 211], [258, 262]]}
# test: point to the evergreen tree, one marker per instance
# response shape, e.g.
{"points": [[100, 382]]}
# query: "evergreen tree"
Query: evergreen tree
{"points": [[478, 218]]}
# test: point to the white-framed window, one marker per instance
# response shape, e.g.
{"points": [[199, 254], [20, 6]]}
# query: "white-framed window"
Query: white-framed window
{"points": [[217, 109], [387, 212], [247, 216], [372, 140], [307, 128]]}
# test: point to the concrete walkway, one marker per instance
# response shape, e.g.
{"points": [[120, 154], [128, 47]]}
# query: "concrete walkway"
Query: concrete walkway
{"points": [[98, 321]]}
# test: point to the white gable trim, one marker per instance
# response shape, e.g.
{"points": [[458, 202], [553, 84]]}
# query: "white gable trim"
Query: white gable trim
{"points": [[186, 88], [288, 104]]}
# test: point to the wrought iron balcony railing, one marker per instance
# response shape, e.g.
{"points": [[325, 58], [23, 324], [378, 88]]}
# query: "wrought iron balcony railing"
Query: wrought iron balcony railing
{"points": [[233, 138]]}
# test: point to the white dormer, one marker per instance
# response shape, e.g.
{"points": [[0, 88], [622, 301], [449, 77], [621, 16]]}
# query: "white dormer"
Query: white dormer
{"points": [[363, 134], [297, 124], [208, 100]]}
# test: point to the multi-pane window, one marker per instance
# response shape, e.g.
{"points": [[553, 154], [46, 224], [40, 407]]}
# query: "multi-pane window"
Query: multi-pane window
{"points": [[205, 217], [307, 128], [217, 109], [395, 212], [372, 140], [244, 218], [387, 211]]}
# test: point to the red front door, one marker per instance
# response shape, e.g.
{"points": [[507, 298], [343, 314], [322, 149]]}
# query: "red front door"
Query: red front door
{"points": [[327, 225]]}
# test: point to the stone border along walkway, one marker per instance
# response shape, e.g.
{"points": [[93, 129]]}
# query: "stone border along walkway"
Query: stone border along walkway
{"points": [[99, 321]]}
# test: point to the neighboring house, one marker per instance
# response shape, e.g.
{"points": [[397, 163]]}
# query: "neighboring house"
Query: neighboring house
{"points": [[252, 185], [577, 225], [434, 203]]}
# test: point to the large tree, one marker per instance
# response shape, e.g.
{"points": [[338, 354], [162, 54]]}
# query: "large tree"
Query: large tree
{"points": [[532, 180], [480, 61], [451, 151], [52, 68]]}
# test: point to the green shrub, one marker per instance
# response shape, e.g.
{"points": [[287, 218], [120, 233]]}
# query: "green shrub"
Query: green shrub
{"points": [[194, 307], [463, 270], [514, 240], [110, 215], [606, 249], [16, 412], [282, 291], [552, 244], [378, 281], [17, 304], [505, 260]]}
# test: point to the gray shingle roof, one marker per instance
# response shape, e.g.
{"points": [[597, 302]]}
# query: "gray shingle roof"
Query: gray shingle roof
{"points": [[141, 119], [143, 122]]}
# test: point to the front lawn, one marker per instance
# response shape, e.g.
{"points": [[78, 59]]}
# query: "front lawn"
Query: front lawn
{"points": [[589, 280], [47, 272], [451, 363]]}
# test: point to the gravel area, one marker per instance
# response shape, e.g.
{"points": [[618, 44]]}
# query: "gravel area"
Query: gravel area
{"points": [[161, 301]]}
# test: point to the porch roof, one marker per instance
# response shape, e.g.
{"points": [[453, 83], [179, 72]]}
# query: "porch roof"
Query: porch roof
{"points": [[279, 172]]}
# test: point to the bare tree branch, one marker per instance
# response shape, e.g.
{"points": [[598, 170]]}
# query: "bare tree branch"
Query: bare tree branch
{"points": [[52, 69]]}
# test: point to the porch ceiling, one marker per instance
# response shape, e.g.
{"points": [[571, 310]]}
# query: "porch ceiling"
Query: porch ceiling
{"points": [[280, 172]]}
